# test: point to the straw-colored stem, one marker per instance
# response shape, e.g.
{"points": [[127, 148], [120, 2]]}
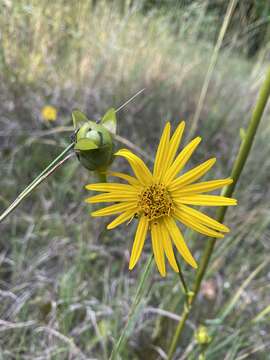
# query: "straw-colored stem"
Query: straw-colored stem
{"points": [[213, 62], [59, 160], [238, 166]]}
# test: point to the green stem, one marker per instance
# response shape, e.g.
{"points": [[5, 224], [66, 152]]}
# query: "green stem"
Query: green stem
{"points": [[140, 290], [238, 166], [178, 331], [182, 279], [59, 160], [101, 176], [187, 292]]}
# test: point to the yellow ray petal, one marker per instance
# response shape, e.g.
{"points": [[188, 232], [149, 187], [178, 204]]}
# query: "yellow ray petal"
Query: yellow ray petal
{"points": [[138, 242], [195, 225], [162, 151], [107, 187], [115, 209], [192, 175], [113, 196], [130, 179], [203, 219], [141, 171], [203, 186], [127, 215], [181, 160], [158, 249], [179, 241], [206, 200], [174, 143], [167, 245]]}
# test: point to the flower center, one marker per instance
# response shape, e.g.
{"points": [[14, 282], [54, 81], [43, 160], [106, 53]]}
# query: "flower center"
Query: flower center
{"points": [[155, 201]]}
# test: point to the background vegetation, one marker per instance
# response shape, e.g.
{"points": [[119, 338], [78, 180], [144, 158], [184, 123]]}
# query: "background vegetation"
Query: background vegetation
{"points": [[65, 288]]}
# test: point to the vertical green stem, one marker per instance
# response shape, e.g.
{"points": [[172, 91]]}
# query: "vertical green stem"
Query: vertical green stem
{"points": [[101, 176], [178, 331], [238, 166], [236, 171], [187, 292], [182, 279], [46, 172]]}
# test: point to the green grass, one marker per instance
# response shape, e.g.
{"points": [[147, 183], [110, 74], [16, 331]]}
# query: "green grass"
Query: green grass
{"points": [[65, 288]]}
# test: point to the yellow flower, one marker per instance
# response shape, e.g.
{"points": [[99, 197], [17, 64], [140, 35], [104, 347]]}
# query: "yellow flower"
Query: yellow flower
{"points": [[49, 113], [160, 199]]}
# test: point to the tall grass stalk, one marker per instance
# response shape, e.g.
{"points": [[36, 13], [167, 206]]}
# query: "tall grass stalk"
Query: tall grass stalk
{"points": [[213, 61], [58, 161], [138, 297], [238, 166]]}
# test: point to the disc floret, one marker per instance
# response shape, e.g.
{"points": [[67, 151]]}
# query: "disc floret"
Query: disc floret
{"points": [[155, 201]]}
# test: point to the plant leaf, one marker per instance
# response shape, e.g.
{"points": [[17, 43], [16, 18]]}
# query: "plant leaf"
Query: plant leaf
{"points": [[85, 144], [109, 121], [79, 118]]}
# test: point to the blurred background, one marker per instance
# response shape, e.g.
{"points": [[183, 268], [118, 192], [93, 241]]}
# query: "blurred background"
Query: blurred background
{"points": [[65, 288]]}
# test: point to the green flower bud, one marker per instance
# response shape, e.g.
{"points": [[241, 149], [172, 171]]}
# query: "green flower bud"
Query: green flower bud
{"points": [[94, 146], [201, 335], [93, 141]]}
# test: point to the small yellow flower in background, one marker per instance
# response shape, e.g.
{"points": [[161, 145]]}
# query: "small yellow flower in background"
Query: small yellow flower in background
{"points": [[201, 335], [160, 199], [49, 113]]}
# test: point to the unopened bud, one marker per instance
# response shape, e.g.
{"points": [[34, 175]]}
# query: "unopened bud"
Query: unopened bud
{"points": [[93, 141], [94, 146], [201, 335]]}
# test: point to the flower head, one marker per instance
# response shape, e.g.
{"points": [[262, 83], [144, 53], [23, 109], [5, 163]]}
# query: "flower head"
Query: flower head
{"points": [[49, 113], [162, 199]]}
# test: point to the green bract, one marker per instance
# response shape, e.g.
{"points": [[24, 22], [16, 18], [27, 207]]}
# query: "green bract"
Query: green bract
{"points": [[93, 141]]}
